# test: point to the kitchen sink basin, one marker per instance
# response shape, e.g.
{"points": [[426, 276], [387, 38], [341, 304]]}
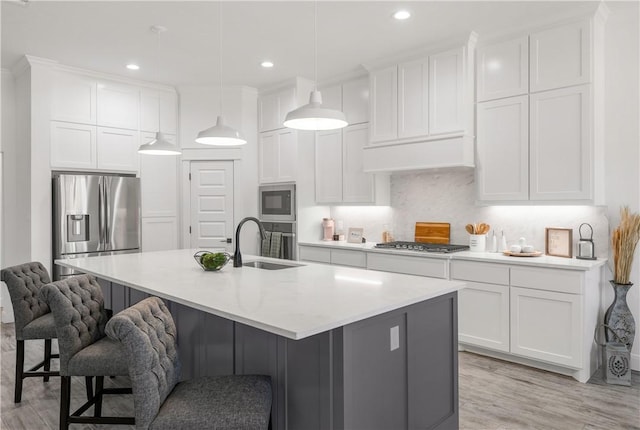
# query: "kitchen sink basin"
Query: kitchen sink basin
{"points": [[266, 265]]}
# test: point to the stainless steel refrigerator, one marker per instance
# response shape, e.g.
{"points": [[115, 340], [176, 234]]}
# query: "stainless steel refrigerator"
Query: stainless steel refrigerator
{"points": [[94, 215]]}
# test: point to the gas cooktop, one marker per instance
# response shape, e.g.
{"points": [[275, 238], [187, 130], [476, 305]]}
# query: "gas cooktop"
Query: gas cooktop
{"points": [[423, 247]]}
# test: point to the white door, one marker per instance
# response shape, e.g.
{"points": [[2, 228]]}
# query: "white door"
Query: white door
{"points": [[211, 203]]}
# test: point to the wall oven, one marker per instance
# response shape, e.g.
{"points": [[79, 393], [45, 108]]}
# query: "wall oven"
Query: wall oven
{"points": [[277, 202]]}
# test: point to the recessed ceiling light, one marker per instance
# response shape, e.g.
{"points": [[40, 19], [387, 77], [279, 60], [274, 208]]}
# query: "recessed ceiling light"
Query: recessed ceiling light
{"points": [[267, 64], [402, 15], [133, 67]]}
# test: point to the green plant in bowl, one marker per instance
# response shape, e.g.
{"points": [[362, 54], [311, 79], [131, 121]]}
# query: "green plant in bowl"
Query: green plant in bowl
{"points": [[212, 260]]}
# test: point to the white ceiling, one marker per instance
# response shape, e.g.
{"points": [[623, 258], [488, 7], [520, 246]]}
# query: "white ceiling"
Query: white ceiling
{"points": [[105, 36]]}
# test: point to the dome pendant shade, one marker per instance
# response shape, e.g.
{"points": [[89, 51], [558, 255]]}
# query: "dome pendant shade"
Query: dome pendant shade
{"points": [[159, 146], [313, 116], [220, 135]]}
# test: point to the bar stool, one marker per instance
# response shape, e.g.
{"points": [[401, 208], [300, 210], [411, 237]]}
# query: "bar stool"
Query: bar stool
{"points": [[148, 334], [33, 319], [77, 305]]}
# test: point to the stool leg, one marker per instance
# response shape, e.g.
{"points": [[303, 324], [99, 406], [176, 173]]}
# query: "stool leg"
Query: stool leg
{"points": [[88, 380], [47, 358], [97, 406], [65, 395], [19, 371]]}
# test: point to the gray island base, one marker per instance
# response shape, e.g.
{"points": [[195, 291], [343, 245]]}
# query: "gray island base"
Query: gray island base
{"points": [[390, 371]]}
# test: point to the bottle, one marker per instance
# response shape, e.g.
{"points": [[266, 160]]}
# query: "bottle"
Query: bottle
{"points": [[327, 228], [503, 242], [494, 243]]}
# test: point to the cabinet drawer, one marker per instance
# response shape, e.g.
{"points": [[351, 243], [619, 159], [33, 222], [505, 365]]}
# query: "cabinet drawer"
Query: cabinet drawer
{"points": [[562, 281], [480, 272], [483, 315], [312, 253], [434, 268], [343, 257]]}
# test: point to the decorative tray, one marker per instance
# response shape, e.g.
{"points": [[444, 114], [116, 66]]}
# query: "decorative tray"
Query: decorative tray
{"points": [[217, 263], [522, 254]]}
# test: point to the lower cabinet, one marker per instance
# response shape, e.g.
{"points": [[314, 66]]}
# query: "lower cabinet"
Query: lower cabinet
{"points": [[422, 266], [336, 257], [483, 315]]}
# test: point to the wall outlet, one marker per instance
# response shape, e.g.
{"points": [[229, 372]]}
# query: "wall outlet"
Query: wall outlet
{"points": [[394, 338]]}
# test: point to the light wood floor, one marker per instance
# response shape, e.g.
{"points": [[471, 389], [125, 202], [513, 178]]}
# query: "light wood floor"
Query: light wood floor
{"points": [[494, 394]]}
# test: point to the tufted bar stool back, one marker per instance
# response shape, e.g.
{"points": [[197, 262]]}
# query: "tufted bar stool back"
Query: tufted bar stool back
{"points": [[148, 333], [77, 304], [33, 319]]}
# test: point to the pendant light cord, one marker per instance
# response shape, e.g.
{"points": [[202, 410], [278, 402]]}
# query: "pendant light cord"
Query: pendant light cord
{"points": [[220, 52], [315, 45], [158, 31]]}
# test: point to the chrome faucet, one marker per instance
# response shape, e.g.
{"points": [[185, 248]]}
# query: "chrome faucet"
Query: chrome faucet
{"points": [[237, 257]]}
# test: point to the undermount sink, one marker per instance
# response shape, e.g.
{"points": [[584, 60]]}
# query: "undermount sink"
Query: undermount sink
{"points": [[266, 265]]}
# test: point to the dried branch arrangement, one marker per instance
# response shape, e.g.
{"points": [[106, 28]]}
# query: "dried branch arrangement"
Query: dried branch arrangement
{"points": [[623, 243]]}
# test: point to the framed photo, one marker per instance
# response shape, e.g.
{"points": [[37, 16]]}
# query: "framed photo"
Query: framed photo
{"points": [[559, 242], [355, 235]]}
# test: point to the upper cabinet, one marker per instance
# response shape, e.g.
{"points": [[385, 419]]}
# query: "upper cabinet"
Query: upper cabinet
{"points": [[275, 104], [73, 98], [355, 100], [118, 105], [542, 133], [158, 111], [503, 69], [278, 154], [423, 107], [560, 56]]}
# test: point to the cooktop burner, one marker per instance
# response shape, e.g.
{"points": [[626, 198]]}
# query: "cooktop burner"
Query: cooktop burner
{"points": [[423, 247]]}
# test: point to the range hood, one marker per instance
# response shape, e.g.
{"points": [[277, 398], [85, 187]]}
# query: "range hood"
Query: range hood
{"points": [[451, 151]]}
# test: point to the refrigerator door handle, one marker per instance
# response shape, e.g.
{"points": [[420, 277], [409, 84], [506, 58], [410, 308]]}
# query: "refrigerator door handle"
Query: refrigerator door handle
{"points": [[101, 214], [107, 211]]}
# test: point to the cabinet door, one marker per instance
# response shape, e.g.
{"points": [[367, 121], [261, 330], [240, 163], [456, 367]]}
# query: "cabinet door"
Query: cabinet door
{"points": [[446, 92], [355, 100], [73, 145], [332, 97], [158, 111], [118, 105], [287, 156], [502, 149], [503, 69], [315, 254], [560, 57], [329, 166], [158, 183], [483, 315], [413, 96], [357, 186], [268, 157], [169, 112], [546, 326], [117, 149], [560, 145], [268, 112], [73, 98], [384, 104], [159, 234]]}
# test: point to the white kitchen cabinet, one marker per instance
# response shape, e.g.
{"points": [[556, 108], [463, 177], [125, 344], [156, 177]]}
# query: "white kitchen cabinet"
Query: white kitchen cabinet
{"points": [[483, 315], [560, 56], [158, 182], [355, 100], [340, 177], [547, 326], [278, 156], [117, 149], [314, 254], [413, 98], [503, 69], [273, 109], [158, 111], [332, 97], [118, 105], [423, 266], [561, 150], [502, 149], [384, 104], [73, 145], [159, 234], [447, 92], [333, 256], [73, 98]]}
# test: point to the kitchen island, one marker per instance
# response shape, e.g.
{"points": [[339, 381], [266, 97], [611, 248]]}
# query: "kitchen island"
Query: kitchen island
{"points": [[346, 348]]}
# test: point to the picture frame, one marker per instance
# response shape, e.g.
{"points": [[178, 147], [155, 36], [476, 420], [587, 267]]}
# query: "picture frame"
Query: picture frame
{"points": [[558, 242], [354, 235]]}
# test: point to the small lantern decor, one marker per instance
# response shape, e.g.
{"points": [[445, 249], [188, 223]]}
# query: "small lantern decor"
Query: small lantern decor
{"points": [[586, 249]]}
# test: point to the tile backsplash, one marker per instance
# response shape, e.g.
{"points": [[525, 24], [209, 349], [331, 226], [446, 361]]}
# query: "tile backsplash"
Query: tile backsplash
{"points": [[448, 195]]}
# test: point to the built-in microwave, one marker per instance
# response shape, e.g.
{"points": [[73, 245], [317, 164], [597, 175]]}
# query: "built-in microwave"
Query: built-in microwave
{"points": [[277, 202]]}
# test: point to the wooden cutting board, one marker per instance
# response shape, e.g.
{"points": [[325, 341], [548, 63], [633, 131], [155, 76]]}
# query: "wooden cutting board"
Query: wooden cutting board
{"points": [[432, 232]]}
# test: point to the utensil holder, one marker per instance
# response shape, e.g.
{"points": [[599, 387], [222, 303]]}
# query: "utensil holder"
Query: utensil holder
{"points": [[477, 242]]}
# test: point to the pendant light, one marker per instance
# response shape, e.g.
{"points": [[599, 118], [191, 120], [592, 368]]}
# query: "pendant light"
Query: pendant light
{"points": [[313, 116], [220, 134], [159, 145]]}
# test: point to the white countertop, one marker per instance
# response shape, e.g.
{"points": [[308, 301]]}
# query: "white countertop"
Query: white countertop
{"points": [[295, 302], [487, 257]]}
